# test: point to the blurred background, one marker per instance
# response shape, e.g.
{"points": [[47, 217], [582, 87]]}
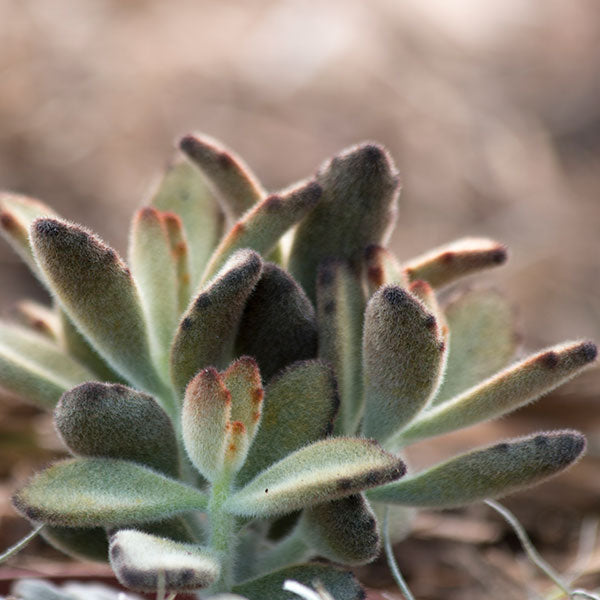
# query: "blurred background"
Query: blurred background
{"points": [[490, 109]]}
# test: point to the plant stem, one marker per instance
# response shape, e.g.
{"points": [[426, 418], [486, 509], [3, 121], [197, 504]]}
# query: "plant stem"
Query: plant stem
{"points": [[391, 559], [20, 544]]}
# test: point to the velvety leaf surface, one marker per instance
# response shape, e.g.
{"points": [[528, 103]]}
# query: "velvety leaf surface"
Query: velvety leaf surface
{"points": [[356, 209], [323, 471], [278, 326], [229, 178], [383, 268], [506, 391], [404, 354], [262, 227], [90, 492], [97, 291], [448, 263], [486, 472], [340, 311], [482, 340], [344, 531], [206, 334], [184, 191], [342, 585], [114, 421], [139, 560], [299, 407]]}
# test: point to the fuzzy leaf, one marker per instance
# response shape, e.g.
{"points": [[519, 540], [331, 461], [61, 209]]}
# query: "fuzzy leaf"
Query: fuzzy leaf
{"points": [[299, 407], [114, 421], [506, 391], [81, 543], [96, 290], [340, 311], [184, 192], [181, 255], [140, 561], [34, 368], [262, 226], [448, 263], [278, 326], [383, 268], [342, 585], [206, 334], [357, 208], [155, 272], [323, 471], [205, 421], [343, 531], [91, 492], [404, 353], [40, 318], [487, 472], [482, 340], [230, 179]]}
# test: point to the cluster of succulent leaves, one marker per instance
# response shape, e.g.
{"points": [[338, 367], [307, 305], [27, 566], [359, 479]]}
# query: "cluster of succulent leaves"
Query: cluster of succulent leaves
{"points": [[236, 403]]}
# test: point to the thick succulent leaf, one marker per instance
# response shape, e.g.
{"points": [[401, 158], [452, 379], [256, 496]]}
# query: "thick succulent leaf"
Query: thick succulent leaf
{"points": [[17, 213], [344, 530], [97, 291], [154, 269], [487, 472], [142, 561], [92, 492], [357, 209], [262, 226], [34, 368], [79, 542], [404, 354], [340, 311], [205, 421], [278, 326], [206, 334], [114, 421], [506, 391], [383, 268], [342, 585], [181, 255], [230, 179], [299, 407], [325, 470], [40, 318], [183, 191], [482, 340], [400, 519], [448, 263]]}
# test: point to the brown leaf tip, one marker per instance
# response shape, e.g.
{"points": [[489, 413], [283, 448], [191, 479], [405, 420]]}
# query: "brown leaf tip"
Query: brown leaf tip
{"points": [[148, 213], [396, 296], [8, 221], [588, 352], [499, 255], [48, 227]]}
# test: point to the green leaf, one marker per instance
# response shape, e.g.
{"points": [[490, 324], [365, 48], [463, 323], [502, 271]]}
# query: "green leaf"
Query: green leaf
{"points": [[206, 334], [183, 191], [340, 312], [404, 353], [342, 585], [229, 178], [448, 263], [506, 391], [482, 340], [262, 227], [278, 326], [357, 209], [34, 368], [79, 542], [299, 407], [92, 492], [325, 470], [383, 268], [181, 255], [486, 472], [143, 562], [343, 531], [114, 421], [97, 291], [40, 318], [155, 272]]}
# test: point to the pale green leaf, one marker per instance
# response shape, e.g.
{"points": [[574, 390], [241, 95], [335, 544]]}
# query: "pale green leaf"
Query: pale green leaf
{"points": [[42, 319]]}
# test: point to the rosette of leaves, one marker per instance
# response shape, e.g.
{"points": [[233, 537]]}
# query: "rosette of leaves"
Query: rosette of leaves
{"points": [[234, 409]]}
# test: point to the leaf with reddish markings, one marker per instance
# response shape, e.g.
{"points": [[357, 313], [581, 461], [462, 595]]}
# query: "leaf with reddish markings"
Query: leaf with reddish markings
{"points": [[181, 255], [40, 318], [383, 268]]}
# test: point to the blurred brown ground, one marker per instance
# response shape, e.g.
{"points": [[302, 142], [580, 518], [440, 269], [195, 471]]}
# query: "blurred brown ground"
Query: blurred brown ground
{"points": [[490, 109]]}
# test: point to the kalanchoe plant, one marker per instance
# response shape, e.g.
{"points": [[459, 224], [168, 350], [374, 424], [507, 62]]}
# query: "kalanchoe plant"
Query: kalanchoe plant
{"points": [[233, 409]]}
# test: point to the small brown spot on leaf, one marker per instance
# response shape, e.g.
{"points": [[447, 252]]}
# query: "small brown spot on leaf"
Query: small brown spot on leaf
{"points": [[549, 360]]}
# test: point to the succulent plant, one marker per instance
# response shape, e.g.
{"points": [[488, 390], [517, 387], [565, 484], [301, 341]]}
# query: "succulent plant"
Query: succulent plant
{"points": [[236, 405]]}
